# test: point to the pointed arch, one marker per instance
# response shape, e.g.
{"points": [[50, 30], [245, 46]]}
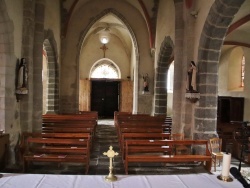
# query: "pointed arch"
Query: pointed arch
{"points": [[163, 63], [52, 98], [215, 29], [135, 47]]}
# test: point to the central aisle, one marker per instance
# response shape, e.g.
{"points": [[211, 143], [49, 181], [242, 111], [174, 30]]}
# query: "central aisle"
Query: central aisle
{"points": [[105, 136]]}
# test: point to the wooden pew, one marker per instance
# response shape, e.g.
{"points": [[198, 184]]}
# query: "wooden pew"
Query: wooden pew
{"points": [[50, 118], [57, 147], [140, 123], [135, 152], [124, 116], [52, 122], [138, 119], [25, 135], [120, 117], [141, 136], [142, 128], [66, 128]]}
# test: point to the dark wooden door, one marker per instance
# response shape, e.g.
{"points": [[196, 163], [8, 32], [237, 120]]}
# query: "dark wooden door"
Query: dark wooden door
{"points": [[105, 97]]}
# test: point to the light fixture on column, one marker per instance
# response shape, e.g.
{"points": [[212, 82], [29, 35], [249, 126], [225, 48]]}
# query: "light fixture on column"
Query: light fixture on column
{"points": [[104, 37]]}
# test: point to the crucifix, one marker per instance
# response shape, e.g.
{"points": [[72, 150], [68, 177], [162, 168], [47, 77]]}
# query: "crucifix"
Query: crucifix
{"points": [[104, 48], [110, 154]]}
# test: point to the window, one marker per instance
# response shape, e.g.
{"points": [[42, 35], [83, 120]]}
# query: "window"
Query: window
{"points": [[235, 70], [170, 79], [242, 71], [104, 70]]}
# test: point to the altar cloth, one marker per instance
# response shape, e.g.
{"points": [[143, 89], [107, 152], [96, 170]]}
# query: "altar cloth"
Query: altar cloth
{"points": [[124, 181]]}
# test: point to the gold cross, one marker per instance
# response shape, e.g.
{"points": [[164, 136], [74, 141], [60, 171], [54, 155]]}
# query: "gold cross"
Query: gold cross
{"points": [[110, 153]]}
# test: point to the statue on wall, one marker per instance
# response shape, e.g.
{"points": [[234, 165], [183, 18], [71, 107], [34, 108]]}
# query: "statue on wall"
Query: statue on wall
{"points": [[22, 77], [191, 78], [145, 82]]}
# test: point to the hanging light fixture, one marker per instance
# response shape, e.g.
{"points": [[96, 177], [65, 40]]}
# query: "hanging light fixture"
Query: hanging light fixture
{"points": [[104, 36]]}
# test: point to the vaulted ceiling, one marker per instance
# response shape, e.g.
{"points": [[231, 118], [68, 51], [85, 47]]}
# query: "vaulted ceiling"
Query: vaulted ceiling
{"points": [[238, 32]]}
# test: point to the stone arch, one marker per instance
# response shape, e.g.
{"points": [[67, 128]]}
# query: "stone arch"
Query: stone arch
{"points": [[52, 103], [122, 18], [106, 61], [214, 31], [163, 63]]}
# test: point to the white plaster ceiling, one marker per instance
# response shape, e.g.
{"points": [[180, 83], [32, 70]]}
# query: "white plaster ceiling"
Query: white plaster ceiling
{"points": [[242, 33], [115, 26], [116, 29]]}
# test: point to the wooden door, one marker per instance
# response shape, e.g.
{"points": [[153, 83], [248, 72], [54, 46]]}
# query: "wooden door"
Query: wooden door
{"points": [[126, 96], [84, 95], [104, 97]]}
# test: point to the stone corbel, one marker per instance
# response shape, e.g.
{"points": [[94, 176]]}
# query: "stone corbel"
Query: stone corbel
{"points": [[193, 97]]}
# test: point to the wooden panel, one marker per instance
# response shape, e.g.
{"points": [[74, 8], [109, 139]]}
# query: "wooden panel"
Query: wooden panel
{"points": [[126, 104], [4, 146], [84, 95], [230, 109]]}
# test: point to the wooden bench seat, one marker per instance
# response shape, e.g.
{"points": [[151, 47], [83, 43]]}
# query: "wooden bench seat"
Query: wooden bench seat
{"points": [[135, 152], [81, 114], [141, 136], [57, 129], [120, 117], [26, 135], [55, 147], [85, 118], [140, 128], [70, 126], [73, 150]]}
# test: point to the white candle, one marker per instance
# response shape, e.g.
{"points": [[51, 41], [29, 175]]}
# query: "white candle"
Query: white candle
{"points": [[226, 164]]}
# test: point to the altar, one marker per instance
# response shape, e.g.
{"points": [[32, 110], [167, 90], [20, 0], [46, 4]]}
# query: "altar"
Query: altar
{"points": [[124, 181]]}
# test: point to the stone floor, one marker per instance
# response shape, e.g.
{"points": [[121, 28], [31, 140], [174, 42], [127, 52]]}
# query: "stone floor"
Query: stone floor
{"points": [[106, 136]]}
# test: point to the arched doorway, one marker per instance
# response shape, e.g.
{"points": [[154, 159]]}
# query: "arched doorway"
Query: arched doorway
{"points": [[105, 87]]}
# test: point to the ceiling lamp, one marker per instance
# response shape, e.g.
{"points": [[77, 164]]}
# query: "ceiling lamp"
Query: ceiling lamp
{"points": [[104, 36]]}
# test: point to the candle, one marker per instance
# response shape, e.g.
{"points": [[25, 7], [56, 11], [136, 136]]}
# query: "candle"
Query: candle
{"points": [[226, 161]]}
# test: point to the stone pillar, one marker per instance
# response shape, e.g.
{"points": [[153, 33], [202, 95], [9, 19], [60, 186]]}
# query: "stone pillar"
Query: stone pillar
{"points": [[187, 122], [27, 52], [38, 65], [178, 59], [8, 104]]}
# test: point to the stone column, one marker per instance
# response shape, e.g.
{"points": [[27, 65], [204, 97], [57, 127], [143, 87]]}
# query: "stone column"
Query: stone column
{"points": [[37, 64], [27, 53], [178, 59], [187, 122]]}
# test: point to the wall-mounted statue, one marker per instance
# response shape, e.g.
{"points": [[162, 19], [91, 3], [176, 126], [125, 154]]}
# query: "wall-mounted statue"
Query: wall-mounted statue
{"points": [[191, 78], [22, 77], [145, 82]]}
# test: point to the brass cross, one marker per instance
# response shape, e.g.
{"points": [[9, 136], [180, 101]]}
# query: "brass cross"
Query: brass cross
{"points": [[111, 154]]}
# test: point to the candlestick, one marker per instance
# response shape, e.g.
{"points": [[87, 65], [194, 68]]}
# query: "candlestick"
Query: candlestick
{"points": [[226, 161]]}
